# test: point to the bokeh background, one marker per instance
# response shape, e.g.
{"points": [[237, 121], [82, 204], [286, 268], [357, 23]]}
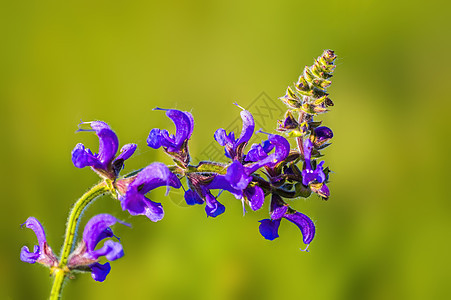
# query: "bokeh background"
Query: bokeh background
{"points": [[384, 233]]}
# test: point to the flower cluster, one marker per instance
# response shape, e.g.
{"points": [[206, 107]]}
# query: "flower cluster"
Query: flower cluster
{"points": [[274, 169], [84, 257]]}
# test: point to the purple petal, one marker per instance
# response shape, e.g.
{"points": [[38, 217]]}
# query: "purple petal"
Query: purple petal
{"points": [[220, 182], [108, 142], [304, 223], [82, 157], [278, 207], [138, 204], [236, 175], [213, 208], [184, 125], [36, 226], [308, 175], [320, 176], [97, 229], [282, 149], [126, 151], [255, 196], [99, 271], [30, 257], [248, 127], [259, 151], [154, 139], [279, 212], [223, 139], [154, 175], [308, 146], [192, 198], [111, 250], [269, 229]]}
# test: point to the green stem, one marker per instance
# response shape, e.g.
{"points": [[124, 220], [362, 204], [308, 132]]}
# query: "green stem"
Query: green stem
{"points": [[57, 287], [61, 271]]}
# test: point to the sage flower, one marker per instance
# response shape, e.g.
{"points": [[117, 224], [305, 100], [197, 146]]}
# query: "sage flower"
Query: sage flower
{"points": [[105, 162]]}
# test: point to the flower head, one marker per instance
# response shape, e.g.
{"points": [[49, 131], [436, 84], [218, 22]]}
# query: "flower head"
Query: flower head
{"points": [[234, 147], [42, 253], [105, 162], [86, 257], [153, 176], [322, 135], [269, 227], [175, 145]]}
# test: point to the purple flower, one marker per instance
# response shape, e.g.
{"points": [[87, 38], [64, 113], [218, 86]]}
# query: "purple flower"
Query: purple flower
{"points": [[269, 227], [238, 179], [175, 145], [42, 253], [315, 179], [308, 174], [202, 194], [105, 162], [234, 147], [86, 257], [153, 176]]}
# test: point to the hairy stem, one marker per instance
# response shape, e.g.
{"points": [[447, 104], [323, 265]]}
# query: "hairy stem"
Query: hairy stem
{"points": [[61, 271]]}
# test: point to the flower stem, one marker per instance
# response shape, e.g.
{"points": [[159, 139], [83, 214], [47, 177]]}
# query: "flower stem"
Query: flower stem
{"points": [[74, 216], [59, 276]]}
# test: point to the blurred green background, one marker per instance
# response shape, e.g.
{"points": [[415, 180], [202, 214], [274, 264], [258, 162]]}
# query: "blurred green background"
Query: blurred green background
{"points": [[384, 233]]}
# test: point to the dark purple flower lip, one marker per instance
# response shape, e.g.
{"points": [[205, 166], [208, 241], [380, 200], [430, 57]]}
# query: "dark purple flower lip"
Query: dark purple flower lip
{"points": [[104, 162]]}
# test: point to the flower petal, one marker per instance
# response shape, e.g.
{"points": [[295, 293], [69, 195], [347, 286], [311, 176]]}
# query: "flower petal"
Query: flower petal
{"points": [[36, 226], [154, 138], [99, 272], [29, 257], [82, 157], [269, 229], [98, 229], [184, 125], [126, 151], [248, 127], [259, 151], [282, 149], [308, 146], [111, 250], [154, 175], [108, 142], [222, 138], [137, 204], [192, 198], [213, 208], [255, 196], [304, 223], [237, 176]]}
